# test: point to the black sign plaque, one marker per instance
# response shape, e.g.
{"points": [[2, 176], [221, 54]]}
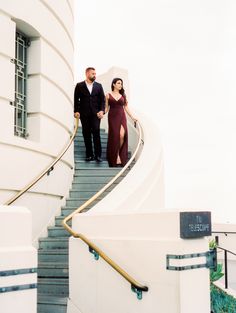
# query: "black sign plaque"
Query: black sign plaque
{"points": [[195, 224]]}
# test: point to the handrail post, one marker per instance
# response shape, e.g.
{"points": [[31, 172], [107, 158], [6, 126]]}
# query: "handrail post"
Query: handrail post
{"points": [[226, 269]]}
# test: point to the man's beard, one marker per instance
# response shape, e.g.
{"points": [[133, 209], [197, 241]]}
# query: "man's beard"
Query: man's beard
{"points": [[92, 79]]}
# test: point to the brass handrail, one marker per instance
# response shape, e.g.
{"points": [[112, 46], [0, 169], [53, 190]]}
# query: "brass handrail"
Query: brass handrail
{"points": [[47, 170], [136, 286]]}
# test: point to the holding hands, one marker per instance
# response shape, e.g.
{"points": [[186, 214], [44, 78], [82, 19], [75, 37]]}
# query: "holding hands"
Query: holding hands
{"points": [[76, 115], [100, 114]]}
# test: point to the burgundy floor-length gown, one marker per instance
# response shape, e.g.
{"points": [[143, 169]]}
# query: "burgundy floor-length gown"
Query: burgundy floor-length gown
{"points": [[116, 119]]}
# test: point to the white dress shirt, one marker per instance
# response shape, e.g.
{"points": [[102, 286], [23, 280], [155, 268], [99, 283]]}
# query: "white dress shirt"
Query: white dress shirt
{"points": [[89, 86]]}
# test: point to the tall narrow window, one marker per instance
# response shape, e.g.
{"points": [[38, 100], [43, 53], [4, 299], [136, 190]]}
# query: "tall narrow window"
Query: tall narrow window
{"points": [[20, 104]]}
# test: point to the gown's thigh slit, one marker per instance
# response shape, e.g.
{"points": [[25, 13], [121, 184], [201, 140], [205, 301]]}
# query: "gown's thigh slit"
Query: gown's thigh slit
{"points": [[122, 135]]}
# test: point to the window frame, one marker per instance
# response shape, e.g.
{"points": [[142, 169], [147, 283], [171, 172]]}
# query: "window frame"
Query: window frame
{"points": [[22, 43]]}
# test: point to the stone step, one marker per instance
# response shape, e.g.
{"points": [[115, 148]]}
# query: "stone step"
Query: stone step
{"points": [[53, 286], [81, 155], [83, 179], [80, 163], [73, 203], [83, 150], [89, 167], [53, 269], [59, 219], [86, 194], [79, 142], [51, 304], [79, 139], [92, 164], [77, 202], [57, 231], [82, 147], [53, 255], [79, 131], [95, 171], [68, 210], [102, 133], [92, 186], [86, 186], [79, 146], [53, 243]]}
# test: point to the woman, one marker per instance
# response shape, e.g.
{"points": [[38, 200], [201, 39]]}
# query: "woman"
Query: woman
{"points": [[117, 105]]}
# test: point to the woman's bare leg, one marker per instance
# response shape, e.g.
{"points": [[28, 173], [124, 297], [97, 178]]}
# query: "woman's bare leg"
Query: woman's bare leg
{"points": [[122, 137]]}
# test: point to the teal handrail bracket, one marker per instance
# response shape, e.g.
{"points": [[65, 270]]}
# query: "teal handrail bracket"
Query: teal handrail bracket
{"points": [[96, 255], [138, 292]]}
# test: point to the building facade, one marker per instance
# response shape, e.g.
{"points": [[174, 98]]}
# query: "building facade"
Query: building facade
{"points": [[36, 106]]}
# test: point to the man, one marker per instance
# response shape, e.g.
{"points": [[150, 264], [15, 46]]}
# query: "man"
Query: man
{"points": [[89, 106]]}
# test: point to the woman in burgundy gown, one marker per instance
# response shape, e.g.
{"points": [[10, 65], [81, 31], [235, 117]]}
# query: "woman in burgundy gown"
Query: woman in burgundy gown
{"points": [[117, 106]]}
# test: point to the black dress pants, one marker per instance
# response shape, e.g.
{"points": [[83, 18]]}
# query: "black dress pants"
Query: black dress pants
{"points": [[91, 128]]}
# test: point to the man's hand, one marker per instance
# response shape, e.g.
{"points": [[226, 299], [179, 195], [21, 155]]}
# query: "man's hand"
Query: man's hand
{"points": [[76, 115], [100, 114]]}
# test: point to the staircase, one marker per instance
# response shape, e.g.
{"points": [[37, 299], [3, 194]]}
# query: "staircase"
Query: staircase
{"points": [[53, 280]]}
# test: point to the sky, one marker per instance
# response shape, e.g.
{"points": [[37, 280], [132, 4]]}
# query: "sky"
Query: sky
{"points": [[180, 56]]}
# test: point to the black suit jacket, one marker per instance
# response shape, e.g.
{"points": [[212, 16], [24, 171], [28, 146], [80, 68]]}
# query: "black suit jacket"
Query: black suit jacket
{"points": [[86, 103]]}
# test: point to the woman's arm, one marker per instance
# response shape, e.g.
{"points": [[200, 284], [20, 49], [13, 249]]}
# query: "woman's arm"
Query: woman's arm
{"points": [[129, 113]]}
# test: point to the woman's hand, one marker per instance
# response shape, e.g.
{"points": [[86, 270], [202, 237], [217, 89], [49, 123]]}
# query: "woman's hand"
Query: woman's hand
{"points": [[135, 120], [100, 114]]}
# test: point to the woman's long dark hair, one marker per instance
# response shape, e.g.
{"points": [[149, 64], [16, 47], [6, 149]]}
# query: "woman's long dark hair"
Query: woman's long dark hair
{"points": [[114, 81], [122, 91]]}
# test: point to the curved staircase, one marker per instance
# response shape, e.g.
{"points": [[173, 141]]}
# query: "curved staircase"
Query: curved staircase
{"points": [[89, 177]]}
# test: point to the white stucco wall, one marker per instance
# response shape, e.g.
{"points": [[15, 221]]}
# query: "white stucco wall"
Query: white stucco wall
{"points": [[139, 243], [17, 254], [49, 24]]}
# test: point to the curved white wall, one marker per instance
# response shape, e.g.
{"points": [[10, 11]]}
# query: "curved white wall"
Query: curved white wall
{"points": [[143, 188], [49, 24]]}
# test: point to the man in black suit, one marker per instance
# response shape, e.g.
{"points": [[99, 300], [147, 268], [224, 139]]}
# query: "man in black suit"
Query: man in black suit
{"points": [[89, 106]]}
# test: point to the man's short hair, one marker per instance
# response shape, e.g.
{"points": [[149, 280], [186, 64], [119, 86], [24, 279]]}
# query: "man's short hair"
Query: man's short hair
{"points": [[89, 69]]}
